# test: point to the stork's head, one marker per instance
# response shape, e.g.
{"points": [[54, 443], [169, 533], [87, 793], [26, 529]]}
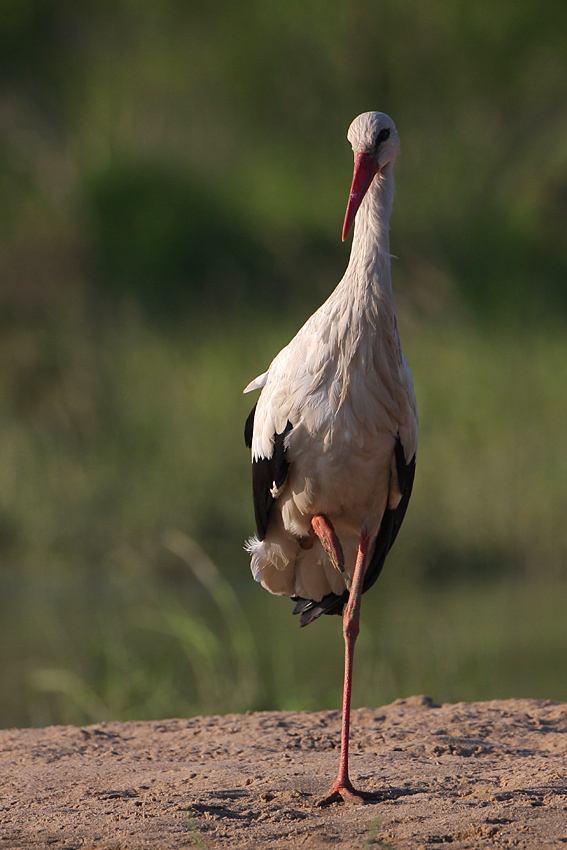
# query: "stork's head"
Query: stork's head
{"points": [[375, 144]]}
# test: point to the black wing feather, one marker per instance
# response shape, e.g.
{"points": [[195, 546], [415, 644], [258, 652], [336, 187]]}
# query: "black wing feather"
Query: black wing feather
{"points": [[389, 527], [267, 473], [249, 427]]}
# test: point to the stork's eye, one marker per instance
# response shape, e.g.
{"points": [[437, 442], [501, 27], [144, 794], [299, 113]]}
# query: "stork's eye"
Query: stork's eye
{"points": [[383, 135]]}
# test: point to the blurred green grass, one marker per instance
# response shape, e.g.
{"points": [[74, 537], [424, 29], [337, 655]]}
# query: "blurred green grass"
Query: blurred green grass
{"points": [[173, 178], [114, 489]]}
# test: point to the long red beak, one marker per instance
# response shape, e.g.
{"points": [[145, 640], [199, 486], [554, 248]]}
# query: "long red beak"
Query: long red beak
{"points": [[365, 167]]}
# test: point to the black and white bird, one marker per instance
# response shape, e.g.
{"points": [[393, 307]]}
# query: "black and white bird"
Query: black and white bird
{"points": [[334, 432]]}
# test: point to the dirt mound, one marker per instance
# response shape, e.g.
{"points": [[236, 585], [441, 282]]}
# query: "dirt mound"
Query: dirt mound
{"points": [[470, 775]]}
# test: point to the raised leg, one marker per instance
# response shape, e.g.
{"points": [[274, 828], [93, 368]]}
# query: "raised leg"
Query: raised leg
{"points": [[324, 530], [342, 788]]}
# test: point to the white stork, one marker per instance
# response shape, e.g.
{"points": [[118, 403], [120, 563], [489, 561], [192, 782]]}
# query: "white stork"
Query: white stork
{"points": [[334, 432]]}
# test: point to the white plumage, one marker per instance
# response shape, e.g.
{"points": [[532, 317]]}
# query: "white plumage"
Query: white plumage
{"points": [[346, 388]]}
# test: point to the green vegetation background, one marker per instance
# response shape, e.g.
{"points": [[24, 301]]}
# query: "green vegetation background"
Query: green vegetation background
{"points": [[173, 180]]}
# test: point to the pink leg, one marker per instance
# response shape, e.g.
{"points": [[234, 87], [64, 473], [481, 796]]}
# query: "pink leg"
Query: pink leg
{"points": [[342, 788], [324, 530]]}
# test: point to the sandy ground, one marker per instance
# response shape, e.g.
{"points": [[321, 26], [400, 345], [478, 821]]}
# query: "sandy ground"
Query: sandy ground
{"points": [[468, 775]]}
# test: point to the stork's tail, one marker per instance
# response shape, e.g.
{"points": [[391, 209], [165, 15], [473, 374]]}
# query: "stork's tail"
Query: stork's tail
{"points": [[310, 610]]}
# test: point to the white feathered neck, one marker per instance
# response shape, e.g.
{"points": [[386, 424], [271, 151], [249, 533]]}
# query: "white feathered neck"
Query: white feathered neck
{"points": [[361, 309], [368, 272]]}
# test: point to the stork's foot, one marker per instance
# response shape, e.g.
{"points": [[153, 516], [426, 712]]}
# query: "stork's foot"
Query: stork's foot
{"points": [[323, 528], [344, 792]]}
